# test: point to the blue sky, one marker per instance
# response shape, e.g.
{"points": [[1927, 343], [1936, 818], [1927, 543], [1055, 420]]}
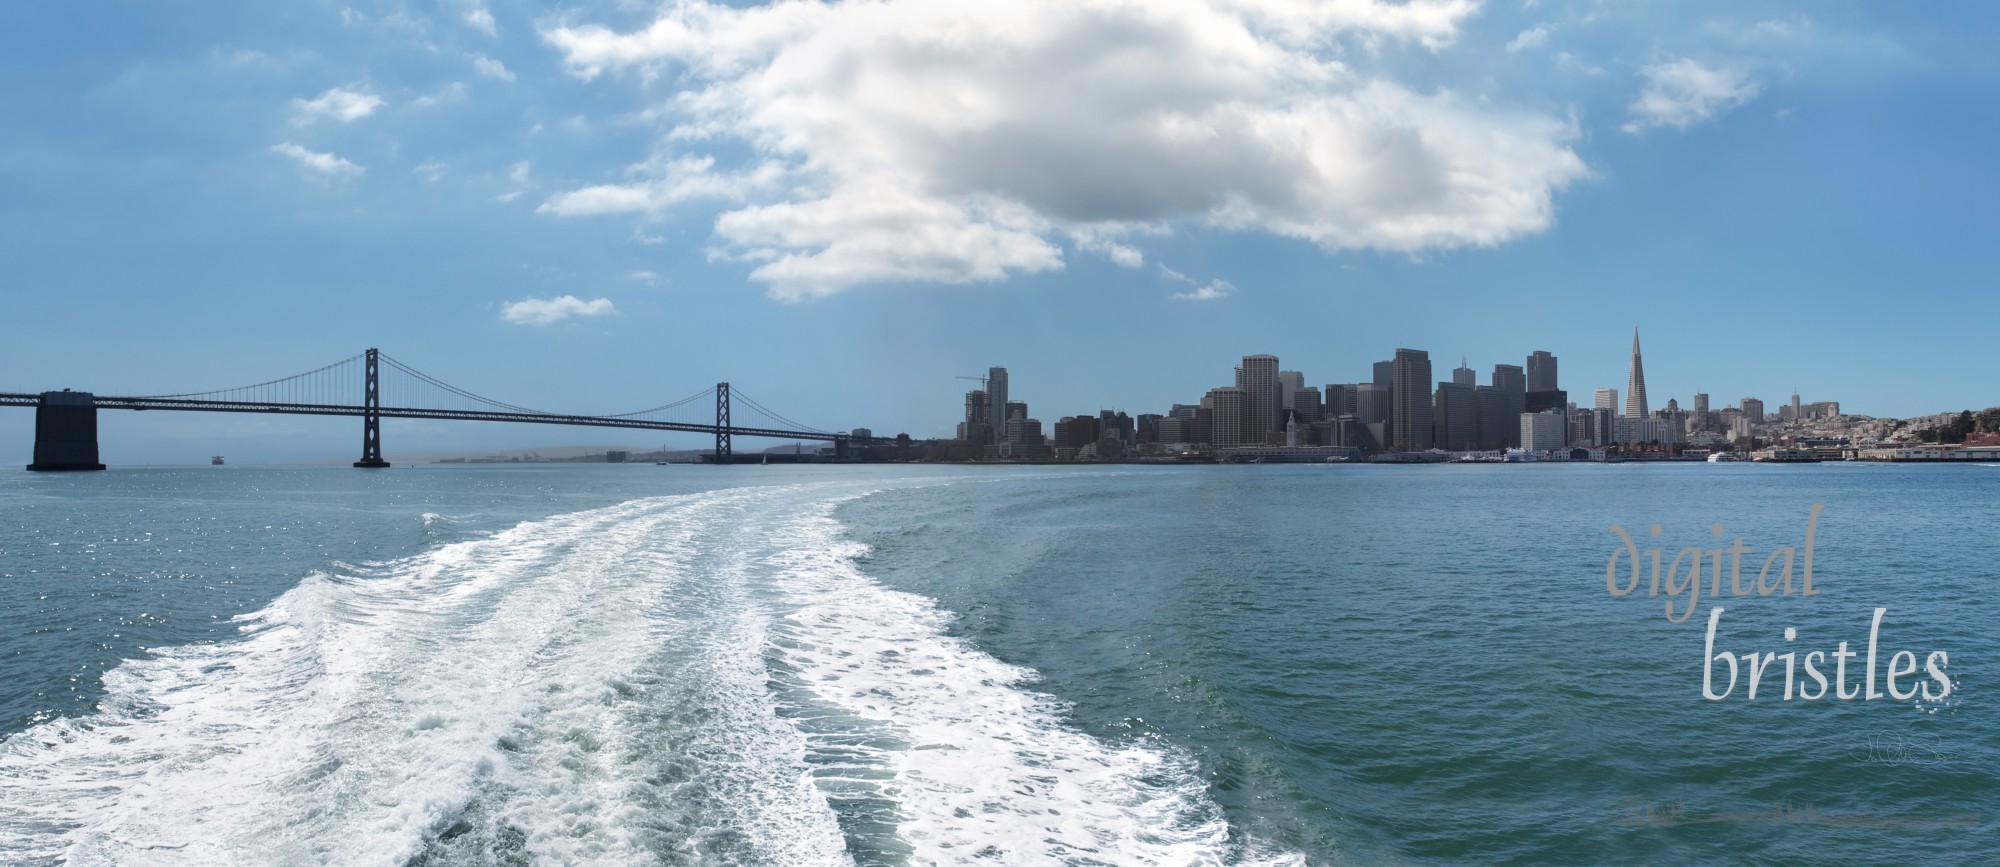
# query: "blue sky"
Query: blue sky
{"points": [[840, 207]]}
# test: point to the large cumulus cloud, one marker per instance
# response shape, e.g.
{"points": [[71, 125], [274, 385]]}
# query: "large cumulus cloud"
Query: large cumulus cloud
{"points": [[914, 140]]}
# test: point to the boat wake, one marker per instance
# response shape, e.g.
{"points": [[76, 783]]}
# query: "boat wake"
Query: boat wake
{"points": [[684, 679]]}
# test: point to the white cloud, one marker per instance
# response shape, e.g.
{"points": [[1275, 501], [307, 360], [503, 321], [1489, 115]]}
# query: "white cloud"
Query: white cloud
{"points": [[430, 170], [1214, 290], [1210, 291], [518, 172], [323, 164], [647, 277], [337, 104], [481, 20], [951, 142], [545, 311], [1684, 92], [491, 68], [1533, 37]]}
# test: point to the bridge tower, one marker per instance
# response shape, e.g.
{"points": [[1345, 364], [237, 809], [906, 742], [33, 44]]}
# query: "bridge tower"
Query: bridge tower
{"points": [[840, 449], [66, 431], [371, 417], [723, 452]]}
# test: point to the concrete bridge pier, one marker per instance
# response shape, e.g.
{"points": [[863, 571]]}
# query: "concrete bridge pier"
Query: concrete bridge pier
{"points": [[66, 431]]}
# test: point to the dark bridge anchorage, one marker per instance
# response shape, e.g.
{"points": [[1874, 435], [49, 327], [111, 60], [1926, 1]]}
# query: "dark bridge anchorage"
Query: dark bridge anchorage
{"points": [[66, 421]]}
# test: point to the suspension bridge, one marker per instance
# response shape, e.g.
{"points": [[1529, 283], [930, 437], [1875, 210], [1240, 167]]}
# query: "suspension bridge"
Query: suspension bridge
{"points": [[374, 386]]}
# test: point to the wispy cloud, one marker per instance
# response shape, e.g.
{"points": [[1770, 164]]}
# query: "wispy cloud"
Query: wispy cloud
{"points": [[491, 68], [1214, 290], [1533, 37], [481, 20], [547, 311], [1685, 92], [337, 104], [1210, 291], [324, 165]]}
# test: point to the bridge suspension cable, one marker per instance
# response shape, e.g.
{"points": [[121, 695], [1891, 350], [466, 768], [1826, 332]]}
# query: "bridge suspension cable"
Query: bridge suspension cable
{"points": [[738, 395], [334, 384]]}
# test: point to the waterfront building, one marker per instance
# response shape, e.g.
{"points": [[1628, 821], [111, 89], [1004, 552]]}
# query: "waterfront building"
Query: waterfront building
{"points": [[1544, 431]]}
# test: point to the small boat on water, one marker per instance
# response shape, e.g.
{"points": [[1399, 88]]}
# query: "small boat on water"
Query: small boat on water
{"points": [[1519, 456], [215, 461], [1725, 458]]}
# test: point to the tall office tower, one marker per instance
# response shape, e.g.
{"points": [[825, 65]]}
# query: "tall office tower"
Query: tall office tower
{"points": [[1289, 383], [1118, 426], [1542, 371], [1701, 406], [1385, 374], [1226, 407], [1462, 375], [1795, 408], [1371, 403], [1257, 379], [1607, 398], [1306, 404], [1014, 408], [1410, 402], [1494, 422], [1338, 400], [1455, 414], [996, 397], [1512, 382], [1753, 410], [1635, 384]]}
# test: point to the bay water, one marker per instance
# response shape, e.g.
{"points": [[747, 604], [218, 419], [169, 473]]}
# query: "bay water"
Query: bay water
{"points": [[1004, 665]]}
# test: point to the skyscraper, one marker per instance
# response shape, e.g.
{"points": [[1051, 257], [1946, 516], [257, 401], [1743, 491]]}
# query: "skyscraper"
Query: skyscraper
{"points": [[1462, 375], [1753, 409], [1455, 411], [996, 399], [1607, 398], [1635, 385], [1542, 371], [1410, 401], [1289, 382], [1513, 385], [1257, 379], [1226, 408]]}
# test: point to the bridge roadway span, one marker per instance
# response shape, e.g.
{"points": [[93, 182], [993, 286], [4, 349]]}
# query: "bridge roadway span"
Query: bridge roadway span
{"points": [[185, 405]]}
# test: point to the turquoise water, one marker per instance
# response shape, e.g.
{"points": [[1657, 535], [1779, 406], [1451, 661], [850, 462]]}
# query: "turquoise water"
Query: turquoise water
{"points": [[913, 665]]}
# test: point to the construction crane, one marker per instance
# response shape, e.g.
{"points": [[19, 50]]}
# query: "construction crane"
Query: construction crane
{"points": [[980, 379]]}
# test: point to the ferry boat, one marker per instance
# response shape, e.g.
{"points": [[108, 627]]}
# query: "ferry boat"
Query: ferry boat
{"points": [[1725, 458], [1787, 456], [215, 461], [1519, 456]]}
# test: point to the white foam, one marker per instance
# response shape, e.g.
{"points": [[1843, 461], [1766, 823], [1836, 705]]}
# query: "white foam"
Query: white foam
{"points": [[700, 678], [977, 764], [360, 716]]}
